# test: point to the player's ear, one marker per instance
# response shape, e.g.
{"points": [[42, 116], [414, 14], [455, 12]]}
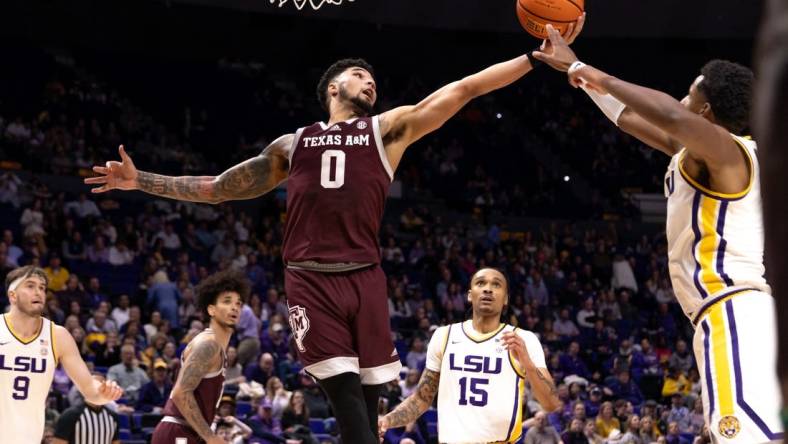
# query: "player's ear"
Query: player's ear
{"points": [[333, 88], [706, 111], [211, 310], [469, 296]]}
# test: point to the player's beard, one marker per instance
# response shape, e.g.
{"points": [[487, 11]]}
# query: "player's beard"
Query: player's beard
{"points": [[363, 107]]}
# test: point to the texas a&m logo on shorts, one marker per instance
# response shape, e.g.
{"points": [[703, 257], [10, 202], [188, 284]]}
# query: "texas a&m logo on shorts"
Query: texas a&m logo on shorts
{"points": [[299, 324]]}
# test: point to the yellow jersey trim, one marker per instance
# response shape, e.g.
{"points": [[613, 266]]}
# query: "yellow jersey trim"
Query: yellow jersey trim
{"points": [[716, 194], [722, 370], [52, 340], [481, 337], [18, 337]]}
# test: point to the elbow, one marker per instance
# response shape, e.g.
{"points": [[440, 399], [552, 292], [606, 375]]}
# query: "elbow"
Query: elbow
{"points": [[552, 405]]}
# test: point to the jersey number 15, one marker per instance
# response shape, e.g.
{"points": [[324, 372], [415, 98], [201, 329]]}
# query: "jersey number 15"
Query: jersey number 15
{"points": [[478, 395]]}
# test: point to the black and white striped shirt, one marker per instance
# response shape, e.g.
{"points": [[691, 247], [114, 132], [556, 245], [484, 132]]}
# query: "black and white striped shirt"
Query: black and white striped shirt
{"points": [[86, 425]]}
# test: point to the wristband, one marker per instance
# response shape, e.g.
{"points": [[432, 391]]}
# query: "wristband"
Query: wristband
{"points": [[575, 66], [535, 63]]}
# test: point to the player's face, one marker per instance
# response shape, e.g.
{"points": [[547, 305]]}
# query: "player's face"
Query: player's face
{"points": [[488, 292], [357, 86], [695, 101], [29, 296], [227, 309]]}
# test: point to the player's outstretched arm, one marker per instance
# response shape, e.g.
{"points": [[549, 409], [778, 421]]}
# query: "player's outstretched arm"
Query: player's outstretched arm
{"points": [[415, 405], [400, 127], [658, 111], [203, 357], [68, 355], [247, 180]]}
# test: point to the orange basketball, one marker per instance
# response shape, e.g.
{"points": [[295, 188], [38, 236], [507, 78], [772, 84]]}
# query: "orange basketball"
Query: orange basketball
{"points": [[535, 14]]}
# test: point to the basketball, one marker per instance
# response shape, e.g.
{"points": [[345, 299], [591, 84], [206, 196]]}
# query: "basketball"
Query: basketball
{"points": [[535, 14]]}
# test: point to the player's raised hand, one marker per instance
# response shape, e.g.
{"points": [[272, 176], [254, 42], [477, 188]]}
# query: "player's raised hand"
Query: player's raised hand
{"points": [[571, 33], [516, 346], [558, 54], [109, 391], [115, 175]]}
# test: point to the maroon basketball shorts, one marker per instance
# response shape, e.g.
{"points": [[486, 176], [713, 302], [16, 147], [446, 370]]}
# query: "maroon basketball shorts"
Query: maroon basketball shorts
{"points": [[340, 323], [172, 433]]}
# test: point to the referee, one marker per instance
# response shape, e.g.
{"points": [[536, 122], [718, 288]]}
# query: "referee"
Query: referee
{"points": [[87, 424]]}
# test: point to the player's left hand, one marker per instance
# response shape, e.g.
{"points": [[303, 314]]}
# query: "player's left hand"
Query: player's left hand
{"points": [[110, 391], [516, 346], [571, 34], [557, 53]]}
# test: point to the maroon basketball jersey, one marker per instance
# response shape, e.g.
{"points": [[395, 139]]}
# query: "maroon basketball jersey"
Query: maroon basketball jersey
{"points": [[336, 192], [207, 394]]}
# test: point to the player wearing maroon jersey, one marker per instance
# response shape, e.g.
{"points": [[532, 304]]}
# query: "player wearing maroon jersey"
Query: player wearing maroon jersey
{"points": [[338, 176], [195, 397]]}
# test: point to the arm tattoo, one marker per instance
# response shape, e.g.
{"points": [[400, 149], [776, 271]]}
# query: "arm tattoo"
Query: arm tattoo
{"points": [[548, 383], [189, 188], [417, 403], [199, 363], [246, 180]]}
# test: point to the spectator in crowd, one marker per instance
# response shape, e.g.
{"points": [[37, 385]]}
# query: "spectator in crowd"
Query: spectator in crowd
{"points": [[277, 395], [572, 364], [155, 393], [227, 426], [675, 383], [233, 373], [248, 331], [261, 370], [265, 427], [574, 433], [296, 412], [606, 422], [631, 433], [679, 414], [682, 358], [417, 355], [623, 387], [57, 275], [411, 381], [120, 314], [164, 297], [82, 207], [541, 432], [129, 376]]}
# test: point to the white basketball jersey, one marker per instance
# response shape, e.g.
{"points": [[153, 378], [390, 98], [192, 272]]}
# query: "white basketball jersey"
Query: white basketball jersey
{"points": [[715, 240], [27, 366], [481, 394]]}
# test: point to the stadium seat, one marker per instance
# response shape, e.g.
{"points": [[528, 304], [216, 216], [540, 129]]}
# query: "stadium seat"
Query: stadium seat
{"points": [[124, 434], [322, 437], [124, 422], [317, 425]]}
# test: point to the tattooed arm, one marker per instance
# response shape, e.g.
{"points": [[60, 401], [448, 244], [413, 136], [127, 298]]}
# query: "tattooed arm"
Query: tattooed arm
{"points": [[203, 358], [246, 180], [415, 405]]}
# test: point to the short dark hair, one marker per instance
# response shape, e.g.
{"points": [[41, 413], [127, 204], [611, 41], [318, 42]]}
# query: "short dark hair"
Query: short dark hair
{"points": [[211, 287], [728, 88], [25, 272], [333, 71]]}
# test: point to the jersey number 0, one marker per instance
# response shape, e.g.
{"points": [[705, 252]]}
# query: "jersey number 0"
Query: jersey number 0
{"points": [[332, 169]]}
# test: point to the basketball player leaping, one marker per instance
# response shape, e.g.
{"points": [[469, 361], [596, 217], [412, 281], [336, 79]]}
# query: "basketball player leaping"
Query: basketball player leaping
{"points": [[195, 396], [338, 174], [478, 369], [714, 230], [31, 347]]}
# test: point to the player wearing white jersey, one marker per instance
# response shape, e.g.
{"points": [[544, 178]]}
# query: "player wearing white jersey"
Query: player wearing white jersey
{"points": [[714, 230], [478, 369], [30, 349]]}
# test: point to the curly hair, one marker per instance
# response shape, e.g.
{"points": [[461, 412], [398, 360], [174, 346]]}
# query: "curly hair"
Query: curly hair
{"points": [[333, 71], [210, 288], [728, 88]]}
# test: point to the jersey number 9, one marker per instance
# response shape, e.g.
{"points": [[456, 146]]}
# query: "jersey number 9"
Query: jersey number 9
{"points": [[21, 387]]}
